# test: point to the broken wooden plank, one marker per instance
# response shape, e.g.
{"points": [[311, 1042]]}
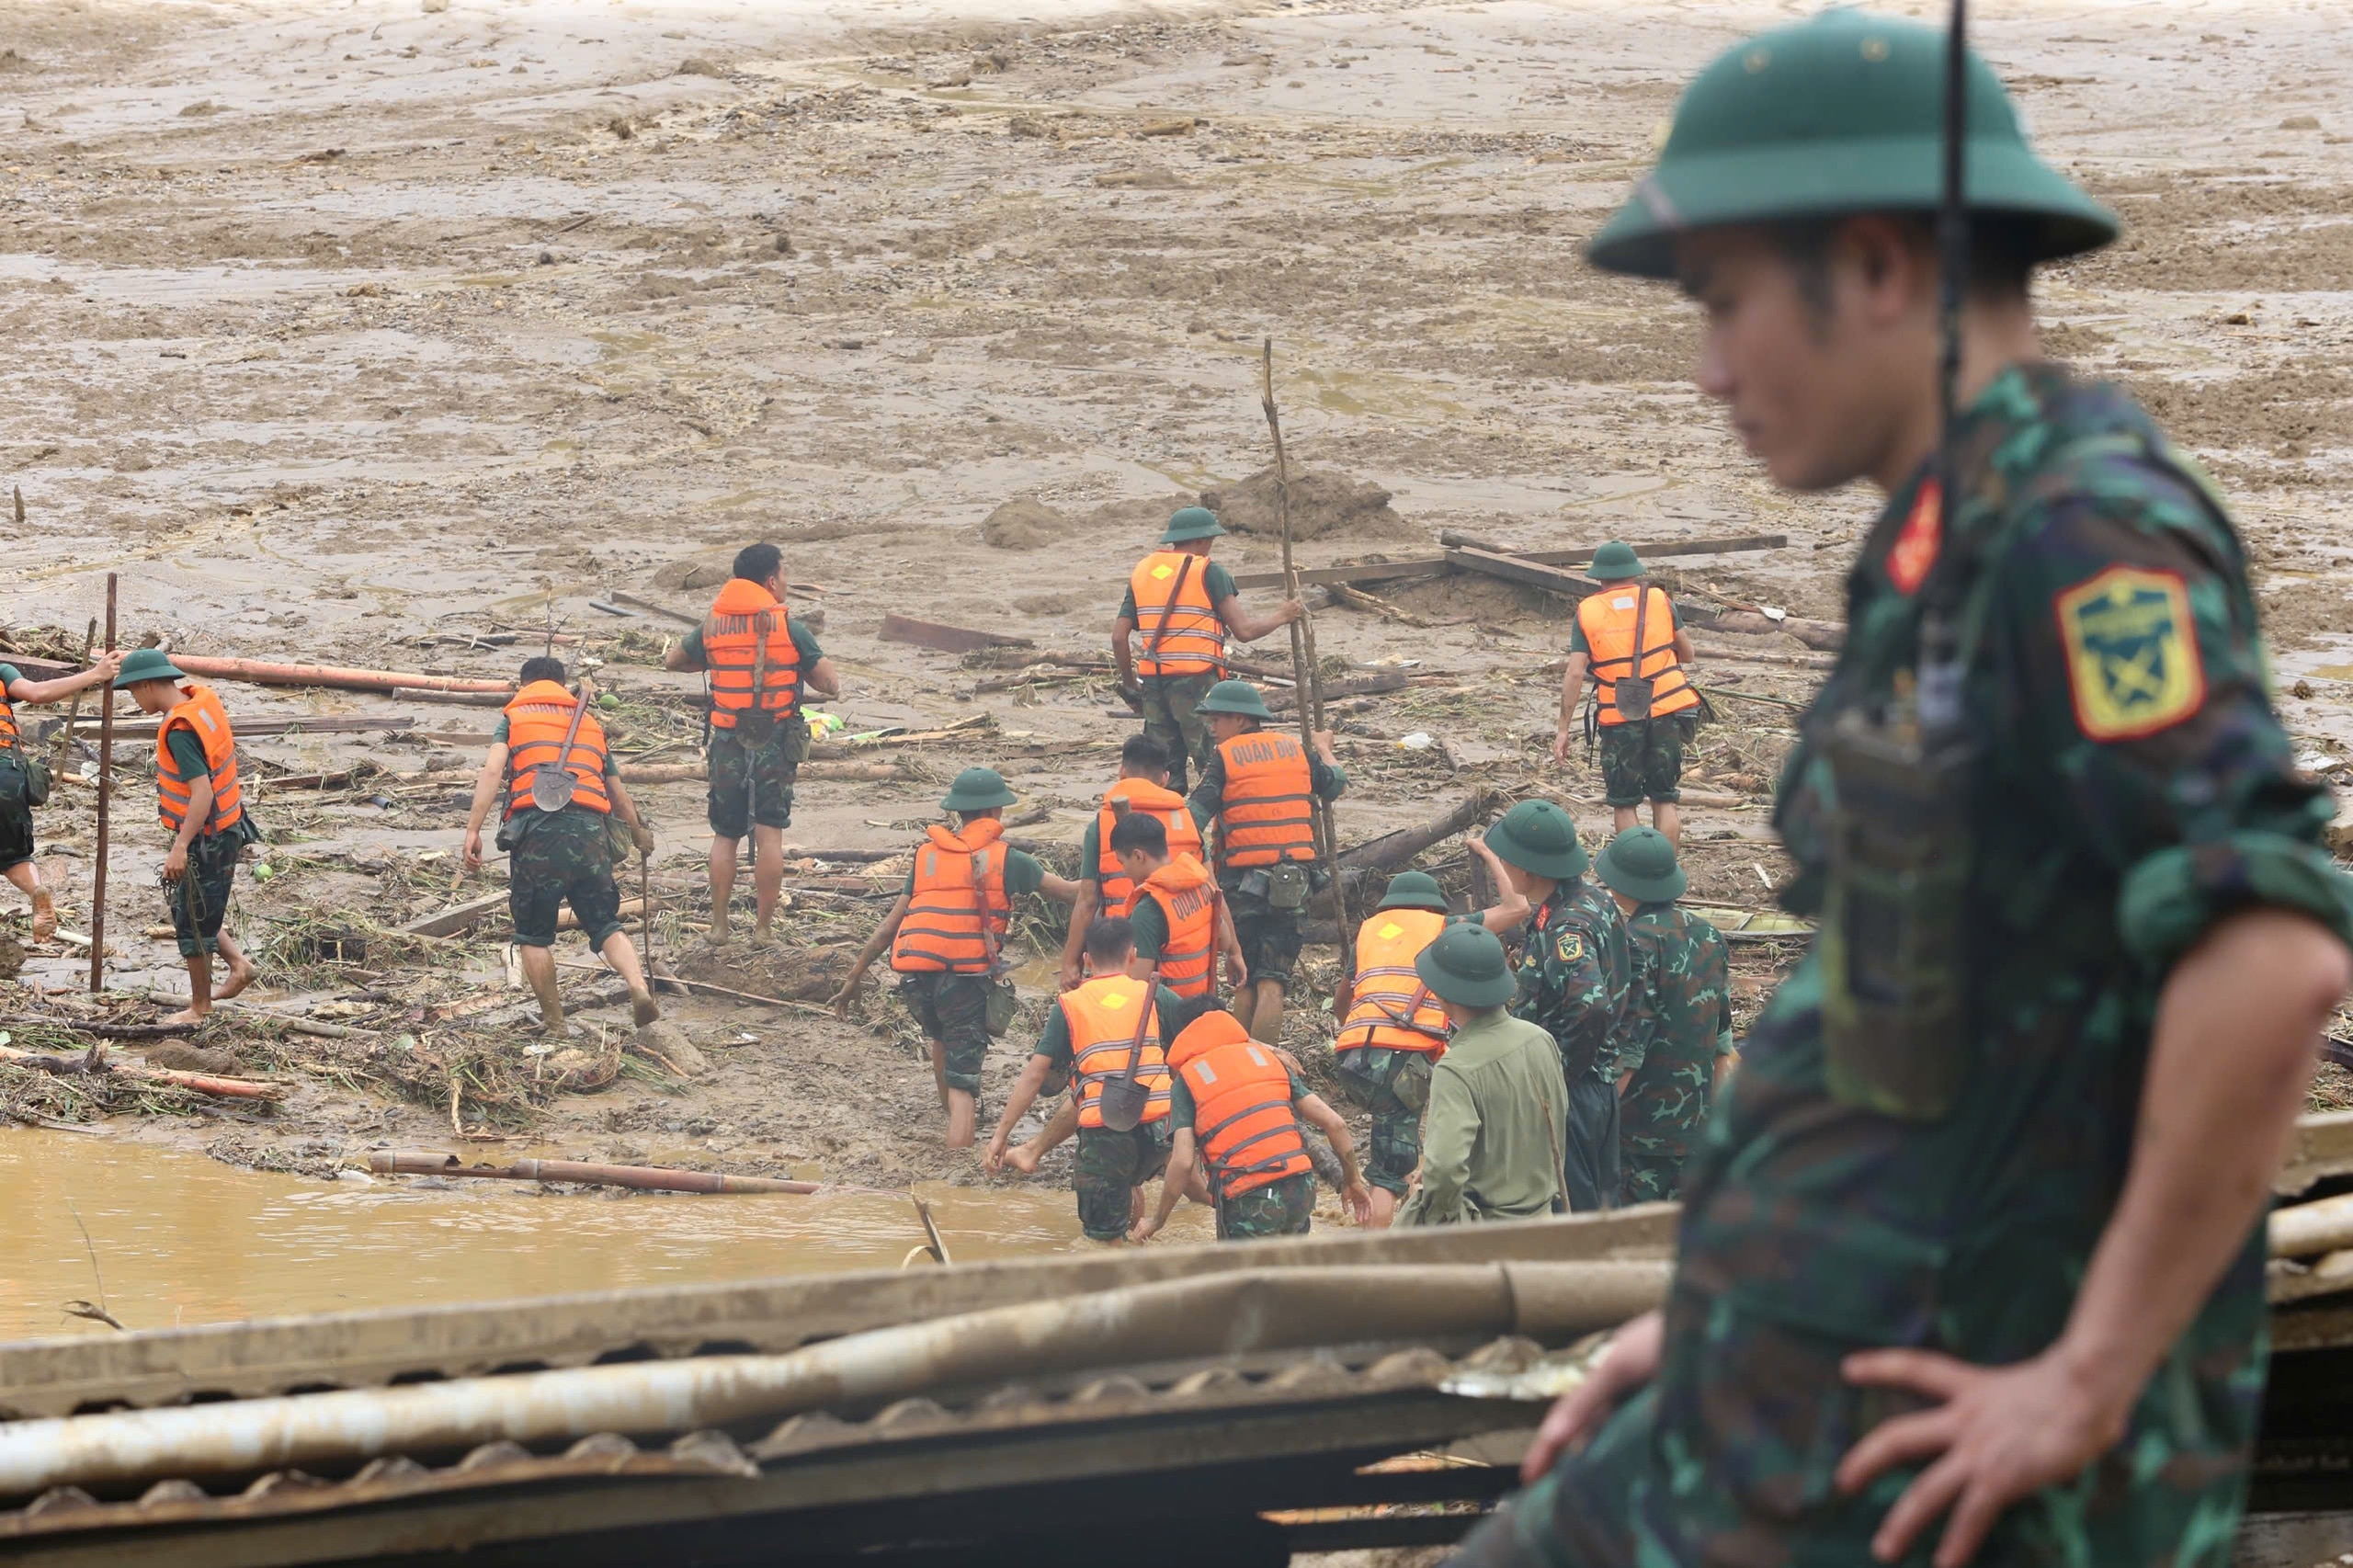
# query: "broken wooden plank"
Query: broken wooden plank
{"points": [[1436, 566], [1552, 579], [1828, 636], [457, 917], [1355, 686], [946, 639], [664, 610], [250, 729]]}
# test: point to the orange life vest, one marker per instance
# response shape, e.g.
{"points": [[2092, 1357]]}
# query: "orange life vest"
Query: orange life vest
{"points": [[1173, 608], [1607, 620], [1184, 836], [200, 714], [1241, 1116], [958, 910], [1102, 1019], [1187, 894], [8, 721], [536, 721], [1268, 813], [731, 648], [1393, 1008]]}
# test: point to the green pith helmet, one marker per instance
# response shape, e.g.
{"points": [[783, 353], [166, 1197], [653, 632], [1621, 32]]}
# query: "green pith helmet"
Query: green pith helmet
{"points": [[1413, 890], [1538, 837], [147, 664], [1190, 523], [1233, 697], [1466, 967], [1840, 114], [1614, 562], [977, 789], [1639, 863]]}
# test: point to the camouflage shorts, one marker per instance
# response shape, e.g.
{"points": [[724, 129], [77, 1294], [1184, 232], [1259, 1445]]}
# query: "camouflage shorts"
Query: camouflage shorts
{"points": [[1285, 1207], [753, 784], [1647, 1177], [201, 898], [1108, 1168], [1644, 761], [1269, 937], [1395, 1086], [953, 1010], [559, 858], [1169, 718]]}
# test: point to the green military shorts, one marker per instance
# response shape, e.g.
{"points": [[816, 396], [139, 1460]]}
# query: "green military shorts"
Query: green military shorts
{"points": [[1269, 937], [16, 817], [753, 784], [1169, 718], [1643, 761], [953, 1010], [1108, 1168], [559, 858], [201, 898], [1395, 1086], [1285, 1207]]}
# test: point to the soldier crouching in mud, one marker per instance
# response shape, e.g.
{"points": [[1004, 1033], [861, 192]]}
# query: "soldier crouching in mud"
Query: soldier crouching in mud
{"points": [[1971, 1263]]}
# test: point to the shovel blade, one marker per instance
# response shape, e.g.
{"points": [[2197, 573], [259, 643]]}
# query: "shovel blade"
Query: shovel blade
{"points": [[1122, 1102], [551, 789]]}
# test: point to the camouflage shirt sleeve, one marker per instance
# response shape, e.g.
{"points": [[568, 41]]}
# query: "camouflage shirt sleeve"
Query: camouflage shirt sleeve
{"points": [[2139, 681], [1638, 1023], [1565, 991]]}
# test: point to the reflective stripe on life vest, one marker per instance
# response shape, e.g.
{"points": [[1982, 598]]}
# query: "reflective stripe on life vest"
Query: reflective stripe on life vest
{"points": [[1267, 812], [1192, 639], [1101, 1015], [959, 909], [1392, 1007], [536, 721], [1187, 894], [731, 649], [1184, 836], [1607, 620], [200, 714], [1243, 1119]]}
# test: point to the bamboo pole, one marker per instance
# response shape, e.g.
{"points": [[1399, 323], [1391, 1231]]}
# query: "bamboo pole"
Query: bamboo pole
{"points": [[1303, 647], [261, 671], [106, 798], [65, 746]]}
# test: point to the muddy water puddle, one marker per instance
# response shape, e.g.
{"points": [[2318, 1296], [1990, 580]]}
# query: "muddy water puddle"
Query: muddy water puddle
{"points": [[181, 1240]]}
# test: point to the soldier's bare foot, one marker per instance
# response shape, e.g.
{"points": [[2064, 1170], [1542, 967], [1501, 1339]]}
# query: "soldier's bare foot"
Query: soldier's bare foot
{"points": [[641, 1007], [187, 1015], [44, 918], [719, 932], [763, 931], [240, 976]]}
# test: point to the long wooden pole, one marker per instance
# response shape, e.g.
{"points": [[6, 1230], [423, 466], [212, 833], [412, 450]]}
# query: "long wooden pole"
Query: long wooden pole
{"points": [[105, 796], [1303, 645]]}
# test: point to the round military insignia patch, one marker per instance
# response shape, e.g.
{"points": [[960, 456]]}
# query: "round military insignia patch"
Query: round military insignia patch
{"points": [[1569, 946], [2132, 664]]}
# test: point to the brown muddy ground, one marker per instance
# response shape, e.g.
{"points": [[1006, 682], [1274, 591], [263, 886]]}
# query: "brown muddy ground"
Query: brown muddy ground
{"points": [[357, 332]]}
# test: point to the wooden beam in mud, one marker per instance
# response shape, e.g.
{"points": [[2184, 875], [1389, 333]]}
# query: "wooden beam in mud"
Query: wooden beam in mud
{"points": [[457, 917], [251, 728], [1522, 569], [946, 639], [1437, 565]]}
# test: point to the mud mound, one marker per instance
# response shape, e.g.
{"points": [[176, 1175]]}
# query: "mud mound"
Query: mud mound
{"points": [[12, 957], [1322, 502], [1147, 516], [707, 571], [796, 974], [180, 1057], [1024, 523], [669, 1043]]}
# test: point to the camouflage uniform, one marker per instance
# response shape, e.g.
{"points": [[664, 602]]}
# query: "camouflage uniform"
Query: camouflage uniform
{"points": [[1394, 1086], [1168, 718], [1285, 1207], [1108, 1168], [1573, 978], [753, 784], [953, 1010], [1270, 937], [2133, 786], [1678, 1022], [1643, 760], [199, 900], [561, 857]]}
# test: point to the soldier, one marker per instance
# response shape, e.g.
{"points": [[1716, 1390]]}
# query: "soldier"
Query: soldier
{"points": [[1186, 606], [1091, 1034], [1984, 1206], [1574, 973], [17, 770], [1498, 1106], [944, 932], [1675, 1043], [203, 809], [1103, 888], [1632, 640], [1236, 1106], [761, 661], [563, 856], [1260, 787], [1392, 1032]]}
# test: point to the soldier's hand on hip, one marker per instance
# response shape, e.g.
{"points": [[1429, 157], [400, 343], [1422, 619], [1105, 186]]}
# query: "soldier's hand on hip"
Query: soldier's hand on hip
{"points": [[1630, 1361], [2000, 1434]]}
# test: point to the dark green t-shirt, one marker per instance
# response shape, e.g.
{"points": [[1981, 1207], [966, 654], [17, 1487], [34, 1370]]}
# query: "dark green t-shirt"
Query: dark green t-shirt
{"points": [[9, 675], [1215, 578], [498, 738], [804, 642], [1180, 1095], [1054, 1044], [1577, 644]]}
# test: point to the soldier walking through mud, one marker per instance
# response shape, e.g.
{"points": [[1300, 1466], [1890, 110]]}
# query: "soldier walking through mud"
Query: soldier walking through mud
{"points": [[1187, 606], [1630, 639], [1104, 888], [563, 791], [203, 808], [761, 661], [1392, 1029], [24, 778], [1971, 1265]]}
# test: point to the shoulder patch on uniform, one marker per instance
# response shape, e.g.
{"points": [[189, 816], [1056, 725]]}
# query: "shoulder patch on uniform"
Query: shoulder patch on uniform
{"points": [[2131, 645], [1914, 550], [1569, 946]]}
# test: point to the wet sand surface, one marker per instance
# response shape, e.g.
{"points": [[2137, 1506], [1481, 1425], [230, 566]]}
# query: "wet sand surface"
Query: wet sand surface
{"points": [[364, 334]]}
